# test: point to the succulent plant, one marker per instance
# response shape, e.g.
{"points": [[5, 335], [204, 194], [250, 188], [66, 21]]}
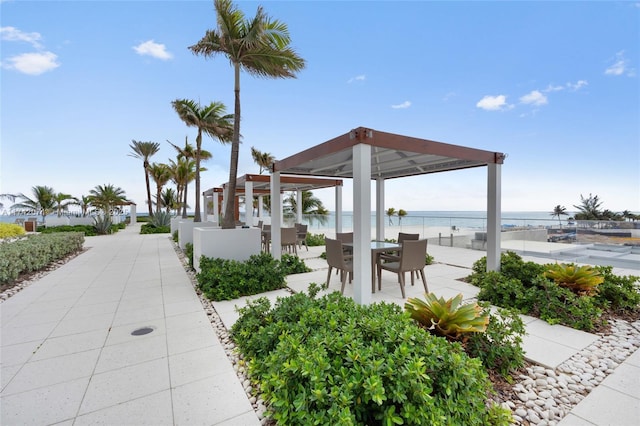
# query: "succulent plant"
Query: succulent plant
{"points": [[447, 318], [582, 280]]}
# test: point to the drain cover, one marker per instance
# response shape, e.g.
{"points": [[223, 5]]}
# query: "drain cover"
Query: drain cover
{"points": [[142, 331]]}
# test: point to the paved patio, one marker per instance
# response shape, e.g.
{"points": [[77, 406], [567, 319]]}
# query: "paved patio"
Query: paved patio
{"points": [[68, 356]]}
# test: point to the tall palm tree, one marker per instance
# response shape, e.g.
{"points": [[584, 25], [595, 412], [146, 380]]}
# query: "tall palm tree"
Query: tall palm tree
{"points": [[169, 199], [262, 159], [259, 46], [107, 197], [589, 209], [42, 202], [391, 212], [144, 151], [59, 201], [161, 173], [401, 213], [211, 120], [559, 211], [84, 202], [183, 171], [311, 206]]}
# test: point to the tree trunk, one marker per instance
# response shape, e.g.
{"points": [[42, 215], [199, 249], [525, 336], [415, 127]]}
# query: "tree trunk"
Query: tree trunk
{"points": [[146, 178], [229, 219], [197, 217], [184, 203]]}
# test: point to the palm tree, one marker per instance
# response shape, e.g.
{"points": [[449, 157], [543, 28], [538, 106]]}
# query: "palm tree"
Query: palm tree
{"points": [[43, 201], [183, 171], [391, 212], [589, 209], [144, 151], [311, 207], [211, 120], [401, 213], [60, 205], [84, 202], [262, 159], [161, 173], [259, 46], [169, 199], [559, 211], [107, 197]]}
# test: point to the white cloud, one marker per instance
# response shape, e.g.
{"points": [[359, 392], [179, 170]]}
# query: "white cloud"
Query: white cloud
{"points": [[577, 85], [620, 66], [551, 88], [33, 63], [14, 34], [493, 103], [151, 48], [535, 97], [360, 77], [405, 104]]}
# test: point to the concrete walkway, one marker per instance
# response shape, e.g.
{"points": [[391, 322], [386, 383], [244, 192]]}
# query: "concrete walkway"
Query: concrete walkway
{"points": [[68, 355]]}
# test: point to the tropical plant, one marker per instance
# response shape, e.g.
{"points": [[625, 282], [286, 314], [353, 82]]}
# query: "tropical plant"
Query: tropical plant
{"points": [[102, 224], [169, 198], [262, 159], [84, 202], [559, 211], [11, 230], [161, 218], [60, 204], [259, 46], [391, 212], [401, 213], [312, 207], [43, 201], [447, 318], [107, 197], [161, 173], [589, 208], [144, 151], [213, 121], [183, 171], [582, 280]]}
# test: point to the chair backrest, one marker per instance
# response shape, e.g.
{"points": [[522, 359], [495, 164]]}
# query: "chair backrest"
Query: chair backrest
{"points": [[266, 227], [403, 236], [414, 255], [288, 236], [260, 223], [302, 229], [345, 237], [335, 258]]}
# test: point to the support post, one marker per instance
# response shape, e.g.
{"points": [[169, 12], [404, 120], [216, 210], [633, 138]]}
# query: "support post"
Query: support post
{"points": [[276, 216], [380, 209], [362, 224], [494, 195]]}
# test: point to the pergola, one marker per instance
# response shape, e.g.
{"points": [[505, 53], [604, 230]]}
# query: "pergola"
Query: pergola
{"points": [[253, 184], [365, 154]]}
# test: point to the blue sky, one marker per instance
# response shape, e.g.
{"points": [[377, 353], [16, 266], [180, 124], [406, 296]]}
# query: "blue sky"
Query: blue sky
{"points": [[554, 85]]}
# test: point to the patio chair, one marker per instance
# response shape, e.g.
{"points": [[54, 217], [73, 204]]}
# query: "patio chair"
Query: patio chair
{"points": [[336, 259], [289, 240], [266, 237], [302, 235], [395, 257], [412, 259]]}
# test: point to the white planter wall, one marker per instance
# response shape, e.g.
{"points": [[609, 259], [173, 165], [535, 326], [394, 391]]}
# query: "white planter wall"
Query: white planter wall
{"points": [[175, 221], [185, 231], [235, 244], [87, 220], [56, 221]]}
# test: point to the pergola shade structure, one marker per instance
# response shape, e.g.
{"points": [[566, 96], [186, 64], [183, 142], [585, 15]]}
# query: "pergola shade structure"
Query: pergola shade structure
{"points": [[366, 154]]}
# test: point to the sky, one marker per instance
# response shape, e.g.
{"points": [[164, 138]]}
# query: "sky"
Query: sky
{"points": [[554, 85]]}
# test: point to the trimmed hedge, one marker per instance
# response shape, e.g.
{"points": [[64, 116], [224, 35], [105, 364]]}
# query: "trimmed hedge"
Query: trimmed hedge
{"points": [[35, 252]]}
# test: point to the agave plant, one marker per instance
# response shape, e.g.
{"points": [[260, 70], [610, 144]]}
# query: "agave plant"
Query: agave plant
{"points": [[161, 218], [582, 280], [447, 318], [102, 224]]}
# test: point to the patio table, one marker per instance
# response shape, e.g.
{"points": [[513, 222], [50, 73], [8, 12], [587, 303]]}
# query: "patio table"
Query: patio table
{"points": [[377, 247]]}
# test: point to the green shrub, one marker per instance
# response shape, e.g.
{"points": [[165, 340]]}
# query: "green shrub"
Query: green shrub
{"points": [[175, 236], [619, 293], [330, 361], [291, 264], [315, 239], [35, 252], [150, 228], [87, 230], [223, 279], [161, 219], [500, 346], [11, 230], [103, 225], [188, 252]]}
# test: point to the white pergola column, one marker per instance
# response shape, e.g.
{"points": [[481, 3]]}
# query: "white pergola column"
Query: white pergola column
{"points": [[338, 209], [362, 224], [133, 214], [260, 206], [299, 206], [216, 210], [276, 216], [225, 196], [494, 196], [380, 209], [248, 203]]}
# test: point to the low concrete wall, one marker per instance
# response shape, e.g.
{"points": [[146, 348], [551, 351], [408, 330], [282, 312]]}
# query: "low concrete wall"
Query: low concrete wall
{"points": [[87, 220], [174, 223], [185, 230], [236, 244], [56, 221]]}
